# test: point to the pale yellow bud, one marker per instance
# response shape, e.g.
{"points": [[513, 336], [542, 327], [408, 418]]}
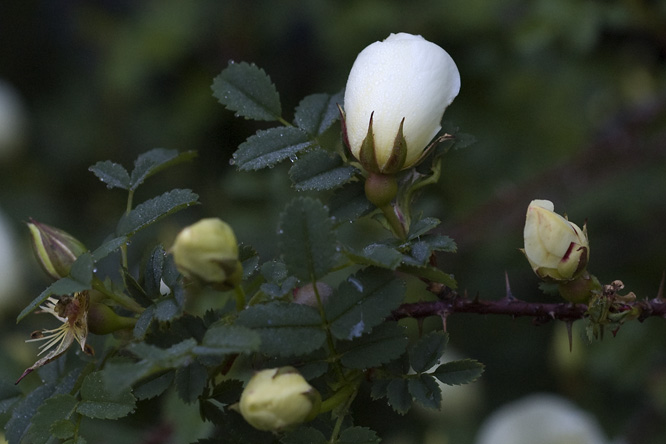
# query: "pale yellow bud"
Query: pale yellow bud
{"points": [[278, 398], [555, 248], [208, 251]]}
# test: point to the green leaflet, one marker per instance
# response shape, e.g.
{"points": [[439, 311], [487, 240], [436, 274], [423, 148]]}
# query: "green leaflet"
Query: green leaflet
{"points": [[247, 90], [79, 279], [269, 147], [317, 112], [155, 209], [285, 329], [99, 402], [363, 301], [307, 239], [320, 170], [384, 344], [459, 372], [425, 353]]}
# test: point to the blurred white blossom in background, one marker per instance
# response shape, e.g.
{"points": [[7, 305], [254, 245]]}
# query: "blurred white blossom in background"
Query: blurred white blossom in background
{"points": [[541, 419], [12, 121], [10, 264]]}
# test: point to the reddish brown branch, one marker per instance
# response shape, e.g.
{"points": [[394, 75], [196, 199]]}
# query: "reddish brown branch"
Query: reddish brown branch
{"points": [[539, 311]]}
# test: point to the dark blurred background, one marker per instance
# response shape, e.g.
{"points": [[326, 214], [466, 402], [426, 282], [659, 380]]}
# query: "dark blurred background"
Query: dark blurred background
{"points": [[567, 101]]}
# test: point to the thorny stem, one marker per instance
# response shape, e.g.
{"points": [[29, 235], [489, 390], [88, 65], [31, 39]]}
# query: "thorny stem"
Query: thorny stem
{"points": [[539, 311]]}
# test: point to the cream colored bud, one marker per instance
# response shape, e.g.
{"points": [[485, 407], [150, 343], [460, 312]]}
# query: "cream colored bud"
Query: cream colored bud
{"points": [[555, 248], [278, 398], [403, 84], [208, 251], [55, 249]]}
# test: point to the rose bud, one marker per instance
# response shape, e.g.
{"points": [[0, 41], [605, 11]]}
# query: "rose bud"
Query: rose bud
{"points": [[55, 249], [395, 97], [557, 250], [207, 251], [278, 398]]}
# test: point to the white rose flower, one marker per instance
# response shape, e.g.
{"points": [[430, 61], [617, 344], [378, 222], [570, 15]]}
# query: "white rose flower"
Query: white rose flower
{"points": [[540, 419], [404, 82]]}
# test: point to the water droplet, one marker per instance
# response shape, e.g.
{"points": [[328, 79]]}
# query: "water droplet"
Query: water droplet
{"points": [[356, 283], [280, 231], [95, 270], [232, 161], [357, 330]]}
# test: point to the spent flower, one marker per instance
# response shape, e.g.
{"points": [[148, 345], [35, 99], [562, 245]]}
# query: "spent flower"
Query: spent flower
{"points": [[72, 311], [395, 97]]}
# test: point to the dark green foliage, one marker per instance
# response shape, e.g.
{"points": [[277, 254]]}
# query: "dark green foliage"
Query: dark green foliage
{"points": [[362, 302], [155, 209], [285, 329], [306, 239], [319, 170], [316, 113], [269, 147], [247, 90]]}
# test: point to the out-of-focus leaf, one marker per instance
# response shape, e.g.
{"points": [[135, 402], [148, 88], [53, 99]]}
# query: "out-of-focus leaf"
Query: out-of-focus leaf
{"points": [[378, 255], [319, 170], [307, 239], [425, 353], [247, 90], [398, 395], [304, 435], [285, 329], [425, 391], [422, 249], [363, 301], [358, 435], [384, 344], [226, 339], [155, 209], [430, 273], [422, 226], [191, 381], [53, 409], [349, 202], [112, 174], [269, 147], [98, 402]]}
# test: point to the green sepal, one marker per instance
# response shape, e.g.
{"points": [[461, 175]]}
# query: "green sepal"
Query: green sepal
{"points": [[398, 155], [366, 154]]}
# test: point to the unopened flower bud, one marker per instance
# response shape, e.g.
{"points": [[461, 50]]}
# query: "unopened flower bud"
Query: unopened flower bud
{"points": [[557, 250], [395, 97], [306, 294], [208, 251], [278, 398], [55, 249]]}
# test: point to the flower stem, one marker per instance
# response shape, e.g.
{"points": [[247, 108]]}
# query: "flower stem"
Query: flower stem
{"points": [[240, 297], [120, 299], [394, 222]]}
